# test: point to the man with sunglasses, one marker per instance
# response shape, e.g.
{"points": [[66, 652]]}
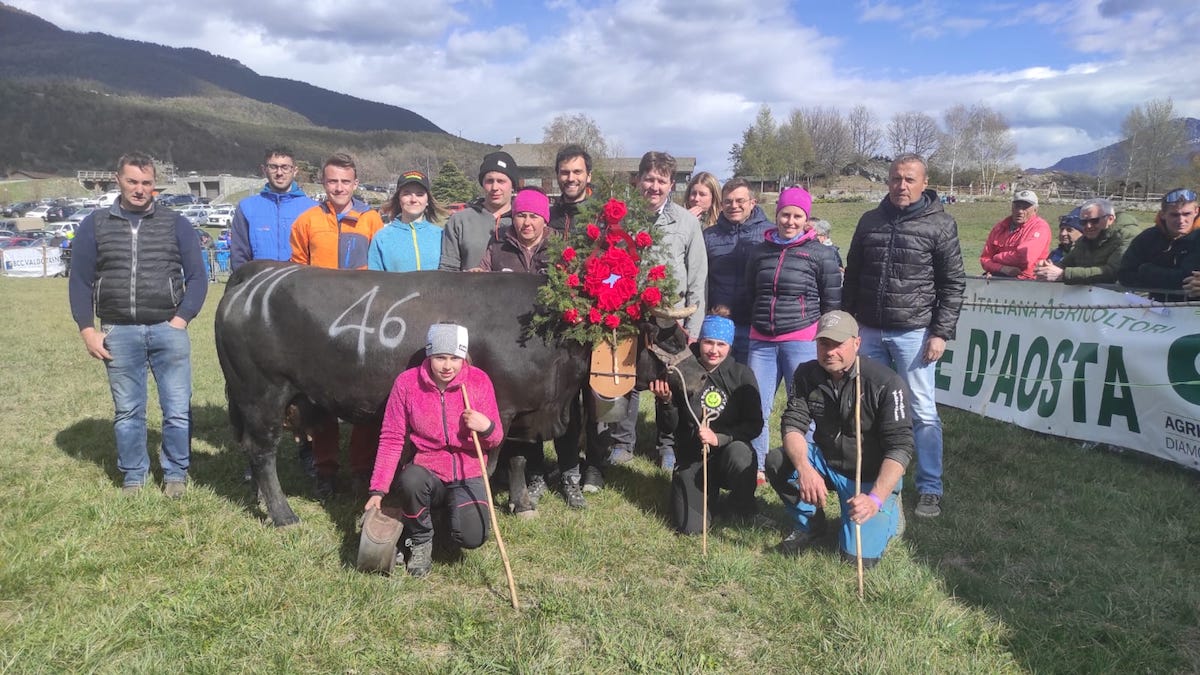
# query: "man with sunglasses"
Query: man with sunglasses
{"points": [[1096, 256], [1163, 257], [262, 224]]}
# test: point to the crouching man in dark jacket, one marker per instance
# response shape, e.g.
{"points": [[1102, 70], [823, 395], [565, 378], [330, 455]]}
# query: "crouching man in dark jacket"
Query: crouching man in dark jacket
{"points": [[803, 475], [732, 395]]}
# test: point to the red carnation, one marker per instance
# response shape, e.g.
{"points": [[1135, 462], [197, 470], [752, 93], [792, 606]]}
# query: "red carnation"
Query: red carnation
{"points": [[573, 281], [634, 311], [568, 254], [643, 239], [614, 211], [593, 232], [652, 296], [612, 321], [658, 272], [615, 235], [594, 315], [571, 315]]}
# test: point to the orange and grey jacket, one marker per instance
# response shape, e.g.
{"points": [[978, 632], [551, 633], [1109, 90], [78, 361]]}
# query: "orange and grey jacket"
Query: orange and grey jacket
{"points": [[322, 238]]}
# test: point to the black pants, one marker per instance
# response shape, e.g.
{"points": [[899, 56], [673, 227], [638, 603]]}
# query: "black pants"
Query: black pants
{"points": [[732, 467], [466, 502]]}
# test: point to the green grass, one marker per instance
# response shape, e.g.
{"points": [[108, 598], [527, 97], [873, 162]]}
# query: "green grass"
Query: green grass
{"points": [[1049, 558]]}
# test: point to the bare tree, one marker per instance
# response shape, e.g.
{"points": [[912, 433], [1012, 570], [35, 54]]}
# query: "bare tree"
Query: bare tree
{"points": [[994, 146], [1155, 141], [799, 159], [865, 135], [914, 132], [830, 138], [957, 141]]}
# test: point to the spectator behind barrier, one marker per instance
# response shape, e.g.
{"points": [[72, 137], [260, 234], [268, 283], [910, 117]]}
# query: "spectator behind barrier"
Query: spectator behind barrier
{"points": [[1166, 256]]}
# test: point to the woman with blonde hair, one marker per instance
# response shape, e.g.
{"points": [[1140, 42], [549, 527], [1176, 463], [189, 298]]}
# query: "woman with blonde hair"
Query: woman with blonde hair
{"points": [[412, 240], [703, 198]]}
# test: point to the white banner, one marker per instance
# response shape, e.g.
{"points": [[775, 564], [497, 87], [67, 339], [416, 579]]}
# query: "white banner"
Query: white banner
{"points": [[1081, 362], [33, 261]]}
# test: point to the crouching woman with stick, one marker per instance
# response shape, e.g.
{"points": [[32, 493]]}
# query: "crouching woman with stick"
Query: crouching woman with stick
{"points": [[426, 408]]}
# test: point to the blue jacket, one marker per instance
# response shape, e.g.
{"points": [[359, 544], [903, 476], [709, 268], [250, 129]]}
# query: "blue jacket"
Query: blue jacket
{"points": [[262, 225], [406, 247], [729, 247]]}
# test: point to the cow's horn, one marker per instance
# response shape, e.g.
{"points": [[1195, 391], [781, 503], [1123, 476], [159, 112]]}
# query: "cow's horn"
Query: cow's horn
{"points": [[673, 312]]}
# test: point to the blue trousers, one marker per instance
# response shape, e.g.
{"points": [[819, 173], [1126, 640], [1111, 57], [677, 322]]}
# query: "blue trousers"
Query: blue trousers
{"points": [[876, 532], [771, 363]]}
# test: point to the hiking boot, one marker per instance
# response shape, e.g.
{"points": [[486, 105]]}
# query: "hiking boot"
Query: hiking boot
{"points": [[519, 501], [174, 489], [536, 487], [131, 489], [572, 492], [593, 479], [799, 541], [326, 487], [420, 559], [667, 461], [929, 505], [619, 455]]}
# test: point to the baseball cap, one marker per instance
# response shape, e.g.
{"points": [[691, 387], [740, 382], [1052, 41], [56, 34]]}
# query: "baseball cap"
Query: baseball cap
{"points": [[838, 326], [411, 177], [1027, 196]]}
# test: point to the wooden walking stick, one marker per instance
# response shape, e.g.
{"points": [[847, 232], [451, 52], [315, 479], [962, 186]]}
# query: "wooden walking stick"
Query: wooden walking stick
{"points": [[858, 470], [709, 415], [487, 486]]}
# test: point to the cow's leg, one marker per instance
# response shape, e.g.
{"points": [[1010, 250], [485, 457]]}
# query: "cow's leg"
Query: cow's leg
{"points": [[267, 479], [518, 493], [259, 438]]}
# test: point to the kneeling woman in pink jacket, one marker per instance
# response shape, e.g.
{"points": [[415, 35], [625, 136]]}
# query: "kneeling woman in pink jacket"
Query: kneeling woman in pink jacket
{"points": [[426, 408]]}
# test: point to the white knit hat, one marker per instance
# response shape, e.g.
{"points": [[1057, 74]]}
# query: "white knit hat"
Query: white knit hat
{"points": [[446, 338]]}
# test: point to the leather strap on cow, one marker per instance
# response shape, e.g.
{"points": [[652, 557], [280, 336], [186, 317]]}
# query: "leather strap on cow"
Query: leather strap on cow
{"points": [[614, 370]]}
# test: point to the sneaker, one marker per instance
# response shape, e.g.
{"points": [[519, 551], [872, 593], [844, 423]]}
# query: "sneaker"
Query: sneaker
{"points": [[174, 489], [800, 540], [929, 505], [572, 492], [593, 479], [536, 488], [667, 461], [420, 560], [619, 455]]}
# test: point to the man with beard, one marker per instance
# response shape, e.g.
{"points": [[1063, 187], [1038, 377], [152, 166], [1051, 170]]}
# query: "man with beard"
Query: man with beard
{"points": [[573, 167]]}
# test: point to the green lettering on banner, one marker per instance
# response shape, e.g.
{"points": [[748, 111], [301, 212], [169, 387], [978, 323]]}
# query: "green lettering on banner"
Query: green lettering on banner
{"points": [[976, 363], [1039, 348], [1049, 403], [941, 380], [1116, 381], [1006, 377], [1087, 353], [1182, 372]]}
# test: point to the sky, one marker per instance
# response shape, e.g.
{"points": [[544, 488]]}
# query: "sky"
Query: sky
{"points": [[688, 76]]}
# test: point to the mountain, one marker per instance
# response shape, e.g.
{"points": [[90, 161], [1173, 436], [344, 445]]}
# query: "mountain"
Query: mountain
{"points": [[32, 48], [1093, 163]]}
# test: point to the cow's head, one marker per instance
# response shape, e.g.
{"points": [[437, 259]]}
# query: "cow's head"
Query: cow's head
{"points": [[665, 352]]}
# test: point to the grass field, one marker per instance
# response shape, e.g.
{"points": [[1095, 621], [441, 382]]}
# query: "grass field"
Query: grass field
{"points": [[1049, 557]]}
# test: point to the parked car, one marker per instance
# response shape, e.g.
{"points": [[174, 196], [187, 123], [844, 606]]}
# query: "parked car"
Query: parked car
{"points": [[79, 215], [19, 242], [57, 213], [64, 228], [17, 209], [222, 215], [38, 211], [37, 234], [176, 200], [195, 214], [108, 198]]}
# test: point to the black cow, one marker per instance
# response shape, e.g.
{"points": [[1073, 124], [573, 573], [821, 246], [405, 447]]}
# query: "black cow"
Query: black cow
{"points": [[337, 339]]}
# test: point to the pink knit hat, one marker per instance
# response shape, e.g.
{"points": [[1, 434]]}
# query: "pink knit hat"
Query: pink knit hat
{"points": [[532, 201], [795, 196]]}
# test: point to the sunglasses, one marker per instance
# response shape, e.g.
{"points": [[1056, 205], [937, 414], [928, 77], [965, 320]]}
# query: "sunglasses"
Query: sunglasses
{"points": [[1093, 221], [1180, 195]]}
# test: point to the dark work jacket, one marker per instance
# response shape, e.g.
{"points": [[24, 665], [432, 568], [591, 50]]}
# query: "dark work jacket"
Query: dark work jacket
{"points": [[1153, 260], [564, 215], [886, 416], [507, 255], [728, 245], [740, 419], [904, 270], [792, 285]]}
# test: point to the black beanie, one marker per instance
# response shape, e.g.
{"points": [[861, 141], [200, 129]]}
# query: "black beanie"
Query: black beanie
{"points": [[499, 161]]}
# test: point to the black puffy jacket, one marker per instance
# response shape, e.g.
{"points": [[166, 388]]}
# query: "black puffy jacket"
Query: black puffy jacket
{"points": [[905, 269], [792, 285]]}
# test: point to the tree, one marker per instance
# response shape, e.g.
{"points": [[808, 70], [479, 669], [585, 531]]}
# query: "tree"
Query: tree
{"points": [[799, 158], [579, 129], [865, 135], [452, 185], [830, 138], [1155, 142], [994, 146], [955, 147], [914, 132], [759, 153]]}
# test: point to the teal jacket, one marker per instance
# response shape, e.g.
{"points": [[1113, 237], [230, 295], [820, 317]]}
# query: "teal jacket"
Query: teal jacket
{"points": [[406, 247]]}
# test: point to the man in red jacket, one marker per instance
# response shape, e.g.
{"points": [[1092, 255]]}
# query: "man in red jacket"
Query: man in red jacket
{"points": [[1019, 242]]}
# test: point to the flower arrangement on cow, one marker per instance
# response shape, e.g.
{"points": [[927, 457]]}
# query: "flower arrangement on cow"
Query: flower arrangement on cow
{"points": [[605, 276]]}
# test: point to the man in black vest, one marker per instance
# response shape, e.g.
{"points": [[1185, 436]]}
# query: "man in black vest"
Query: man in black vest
{"points": [[139, 269]]}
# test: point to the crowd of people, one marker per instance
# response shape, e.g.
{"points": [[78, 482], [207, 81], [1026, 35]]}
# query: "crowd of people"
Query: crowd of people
{"points": [[777, 303]]}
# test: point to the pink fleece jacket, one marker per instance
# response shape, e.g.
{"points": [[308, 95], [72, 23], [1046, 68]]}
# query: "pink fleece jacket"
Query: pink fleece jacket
{"points": [[432, 420]]}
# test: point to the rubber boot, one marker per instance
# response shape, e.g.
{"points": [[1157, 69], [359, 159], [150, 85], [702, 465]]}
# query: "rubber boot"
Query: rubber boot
{"points": [[519, 501]]}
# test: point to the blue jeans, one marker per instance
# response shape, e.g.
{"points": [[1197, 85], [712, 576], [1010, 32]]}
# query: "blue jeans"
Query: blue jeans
{"points": [[876, 532], [772, 362], [903, 351], [741, 343], [168, 352]]}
